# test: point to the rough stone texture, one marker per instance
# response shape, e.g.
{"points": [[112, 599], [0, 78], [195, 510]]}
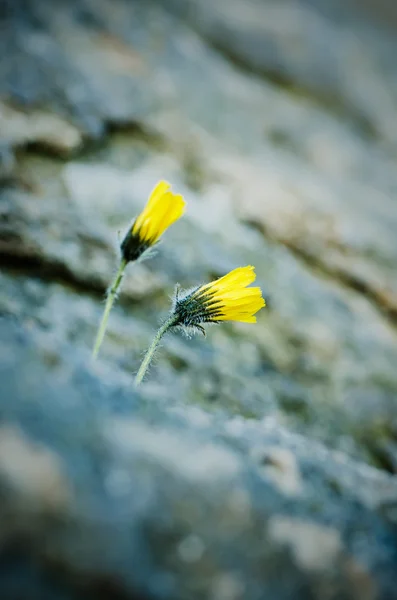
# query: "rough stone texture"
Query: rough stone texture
{"points": [[118, 492], [327, 48], [242, 468]]}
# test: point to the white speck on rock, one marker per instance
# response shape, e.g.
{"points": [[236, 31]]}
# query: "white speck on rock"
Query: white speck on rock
{"points": [[32, 473], [236, 426], [193, 414], [314, 547], [191, 549], [172, 450], [227, 587], [280, 466]]}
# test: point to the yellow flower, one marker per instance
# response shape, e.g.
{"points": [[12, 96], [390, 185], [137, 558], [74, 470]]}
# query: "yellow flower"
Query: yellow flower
{"points": [[226, 299], [162, 210]]}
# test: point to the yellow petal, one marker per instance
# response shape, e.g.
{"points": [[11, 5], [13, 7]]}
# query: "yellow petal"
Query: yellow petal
{"points": [[162, 209], [240, 277], [159, 190], [229, 298], [172, 212]]}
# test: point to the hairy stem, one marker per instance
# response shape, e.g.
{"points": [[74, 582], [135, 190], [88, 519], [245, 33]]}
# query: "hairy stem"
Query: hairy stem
{"points": [[110, 298], [152, 348]]}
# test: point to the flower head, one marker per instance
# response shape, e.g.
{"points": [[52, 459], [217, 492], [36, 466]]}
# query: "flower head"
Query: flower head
{"points": [[226, 299], [162, 209]]}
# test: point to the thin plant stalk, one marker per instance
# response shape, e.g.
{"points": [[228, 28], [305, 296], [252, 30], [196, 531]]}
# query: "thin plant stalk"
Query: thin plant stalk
{"points": [[152, 348], [110, 298]]}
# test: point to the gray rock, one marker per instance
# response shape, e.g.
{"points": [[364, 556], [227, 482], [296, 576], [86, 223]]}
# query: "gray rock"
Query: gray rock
{"points": [[329, 50], [244, 468], [121, 493], [320, 194]]}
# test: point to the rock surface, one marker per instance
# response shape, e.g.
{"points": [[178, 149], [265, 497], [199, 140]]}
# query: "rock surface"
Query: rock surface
{"points": [[260, 461], [118, 492]]}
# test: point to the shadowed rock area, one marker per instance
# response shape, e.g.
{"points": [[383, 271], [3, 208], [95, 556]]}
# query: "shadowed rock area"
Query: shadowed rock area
{"points": [[260, 461]]}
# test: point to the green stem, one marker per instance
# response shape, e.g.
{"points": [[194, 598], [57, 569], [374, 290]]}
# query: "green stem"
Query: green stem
{"points": [[108, 307], [152, 348]]}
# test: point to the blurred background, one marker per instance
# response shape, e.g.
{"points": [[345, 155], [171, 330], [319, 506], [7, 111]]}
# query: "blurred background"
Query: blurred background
{"points": [[277, 121]]}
